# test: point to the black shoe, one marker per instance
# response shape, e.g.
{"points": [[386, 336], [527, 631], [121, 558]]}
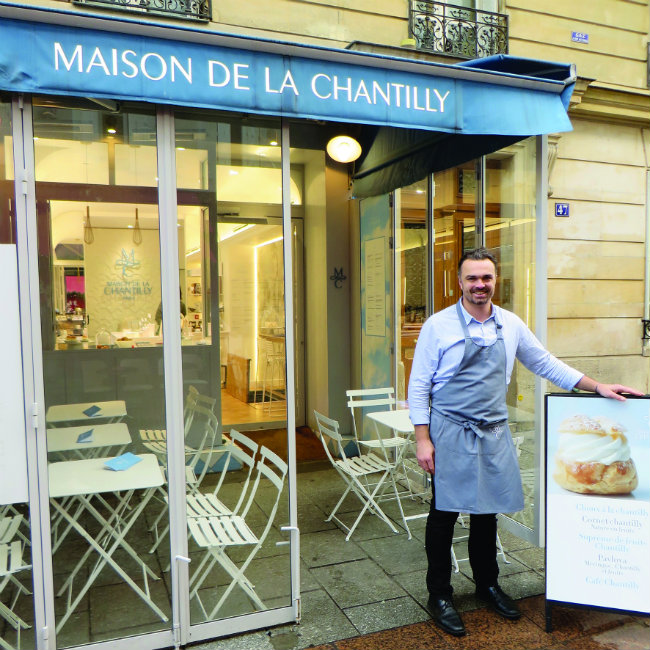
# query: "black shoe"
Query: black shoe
{"points": [[499, 601], [445, 616]]}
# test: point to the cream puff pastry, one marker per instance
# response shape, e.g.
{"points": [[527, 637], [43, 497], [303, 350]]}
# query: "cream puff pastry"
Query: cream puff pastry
{"points": [[593, 457]]}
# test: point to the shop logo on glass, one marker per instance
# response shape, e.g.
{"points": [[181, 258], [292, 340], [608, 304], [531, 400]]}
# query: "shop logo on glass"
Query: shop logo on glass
{"points": [[123, 462], [92, 411], [128, 263]]}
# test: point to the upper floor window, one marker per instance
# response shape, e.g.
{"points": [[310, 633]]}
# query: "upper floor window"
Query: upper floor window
{"points": [[193, 9], [467, 30]]}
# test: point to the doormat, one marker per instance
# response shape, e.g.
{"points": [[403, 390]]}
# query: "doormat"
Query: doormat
{"points": [[308, 444]]}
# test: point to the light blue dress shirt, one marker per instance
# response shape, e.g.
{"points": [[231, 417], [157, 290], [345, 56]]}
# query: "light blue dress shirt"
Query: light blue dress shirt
{"points": [[441, 345]]}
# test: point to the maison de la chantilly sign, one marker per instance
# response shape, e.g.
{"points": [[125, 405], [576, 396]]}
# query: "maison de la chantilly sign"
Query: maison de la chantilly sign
{"points": [[199, 70]]}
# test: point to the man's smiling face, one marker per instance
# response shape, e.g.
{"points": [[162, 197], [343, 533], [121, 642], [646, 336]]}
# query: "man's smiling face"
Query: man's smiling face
{"points": [[477, 279]]}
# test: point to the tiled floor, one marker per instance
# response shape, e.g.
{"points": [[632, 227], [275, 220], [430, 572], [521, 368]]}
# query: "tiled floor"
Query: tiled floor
{"points": [[368, 592]]}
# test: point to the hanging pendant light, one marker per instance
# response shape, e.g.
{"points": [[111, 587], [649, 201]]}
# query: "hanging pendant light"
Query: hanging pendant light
{"points": [[137, 233], [343, 149], [89, 236]]}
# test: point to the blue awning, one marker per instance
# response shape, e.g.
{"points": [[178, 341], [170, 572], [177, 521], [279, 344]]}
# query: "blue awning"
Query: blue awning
{"points": [[432, 114]]}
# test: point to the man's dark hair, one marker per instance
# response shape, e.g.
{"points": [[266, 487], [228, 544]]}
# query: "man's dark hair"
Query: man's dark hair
{"points": [[477, 254]]}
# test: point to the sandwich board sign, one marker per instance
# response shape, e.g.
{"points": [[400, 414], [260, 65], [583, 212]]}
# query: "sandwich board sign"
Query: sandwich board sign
{"points": [[597, 481]]}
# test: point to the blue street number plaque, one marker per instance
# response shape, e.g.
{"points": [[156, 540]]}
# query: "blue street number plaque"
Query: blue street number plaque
{"points": [[580, 37], [561, 209]]}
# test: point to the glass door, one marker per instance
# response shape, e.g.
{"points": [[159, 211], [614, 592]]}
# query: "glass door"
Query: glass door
{"points": [[100, 294], [116, 463], [411, 276], [234, 352]]}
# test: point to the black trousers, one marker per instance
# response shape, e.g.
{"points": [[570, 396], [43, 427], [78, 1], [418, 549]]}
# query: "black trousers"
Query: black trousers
{"points": [[482, 547]]}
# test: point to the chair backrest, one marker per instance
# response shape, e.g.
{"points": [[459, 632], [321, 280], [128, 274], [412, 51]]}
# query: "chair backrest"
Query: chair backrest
{"points": [[271, 467], [204, 451], [274, 469], [243, 450], [9, 528], [328, 430], [192, 400], [380, 399]]}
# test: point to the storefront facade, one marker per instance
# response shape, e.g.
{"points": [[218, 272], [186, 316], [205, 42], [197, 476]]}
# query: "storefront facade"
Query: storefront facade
{"points": [[155, 176]]}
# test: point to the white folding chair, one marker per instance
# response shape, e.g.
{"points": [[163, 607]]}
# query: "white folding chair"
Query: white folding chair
{"points": [[379, 399], [201, 454], [155, 440], [365, 476], [217, 535], [201, 504], [11, 563]]}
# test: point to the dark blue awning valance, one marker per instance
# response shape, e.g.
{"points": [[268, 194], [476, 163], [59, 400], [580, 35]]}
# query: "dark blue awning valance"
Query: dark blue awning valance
{"points": [[398, 157]]}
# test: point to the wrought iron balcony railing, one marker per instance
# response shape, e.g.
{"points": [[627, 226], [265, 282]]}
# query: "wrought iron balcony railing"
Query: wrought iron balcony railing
{"points": [[457, 31], [191, 9]]}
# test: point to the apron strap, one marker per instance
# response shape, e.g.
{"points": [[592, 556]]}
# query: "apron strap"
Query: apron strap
{"points": [[461, 318], [473, 425]]}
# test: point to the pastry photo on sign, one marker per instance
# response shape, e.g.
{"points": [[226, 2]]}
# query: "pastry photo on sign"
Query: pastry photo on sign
{"points": [[594, 456]]}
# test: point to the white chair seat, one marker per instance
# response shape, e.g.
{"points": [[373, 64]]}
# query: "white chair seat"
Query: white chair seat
{"points": [[362, 465], [206, 505], [221, 531]]}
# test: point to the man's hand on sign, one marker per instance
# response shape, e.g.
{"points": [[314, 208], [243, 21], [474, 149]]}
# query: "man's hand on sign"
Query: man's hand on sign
{"points": [[614, 391]]}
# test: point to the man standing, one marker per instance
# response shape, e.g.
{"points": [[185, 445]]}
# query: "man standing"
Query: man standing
{"points": [[457, 400]]}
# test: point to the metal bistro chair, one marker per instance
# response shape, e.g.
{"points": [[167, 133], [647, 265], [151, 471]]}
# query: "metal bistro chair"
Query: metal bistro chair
{"points": [[365, 476], [201, 454], [379, 399], [11, 563], [218, 535], [155, 440], [241, 449]]}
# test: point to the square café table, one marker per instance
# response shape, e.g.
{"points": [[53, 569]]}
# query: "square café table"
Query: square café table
{"points": [[61, 414], [104, 437], [84, 479]]}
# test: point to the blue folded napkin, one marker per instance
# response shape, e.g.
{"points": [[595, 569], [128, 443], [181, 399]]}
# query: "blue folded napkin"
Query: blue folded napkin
{"points": [[86, 436], [120, 463], [92, 410]]}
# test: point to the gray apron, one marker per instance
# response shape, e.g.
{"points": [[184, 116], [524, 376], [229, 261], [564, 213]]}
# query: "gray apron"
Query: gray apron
{"points": [[476, 467]]}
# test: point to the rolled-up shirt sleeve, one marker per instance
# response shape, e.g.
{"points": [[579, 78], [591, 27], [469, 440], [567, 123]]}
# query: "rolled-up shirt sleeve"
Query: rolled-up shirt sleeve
{"points": [[540, 361], [425, 362]]}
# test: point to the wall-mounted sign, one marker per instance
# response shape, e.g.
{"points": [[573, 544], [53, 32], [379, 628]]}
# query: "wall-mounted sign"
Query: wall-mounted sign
{"points": [[561, 209], [192, 72], [580, 37], [598, 502]]}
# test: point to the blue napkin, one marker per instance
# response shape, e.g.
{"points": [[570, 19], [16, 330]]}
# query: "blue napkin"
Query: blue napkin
{"points": [[86, 436], [120, 463], [92, 410]]}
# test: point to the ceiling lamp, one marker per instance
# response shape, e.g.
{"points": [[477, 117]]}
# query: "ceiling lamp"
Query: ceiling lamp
{"points": [[343, 149]]}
